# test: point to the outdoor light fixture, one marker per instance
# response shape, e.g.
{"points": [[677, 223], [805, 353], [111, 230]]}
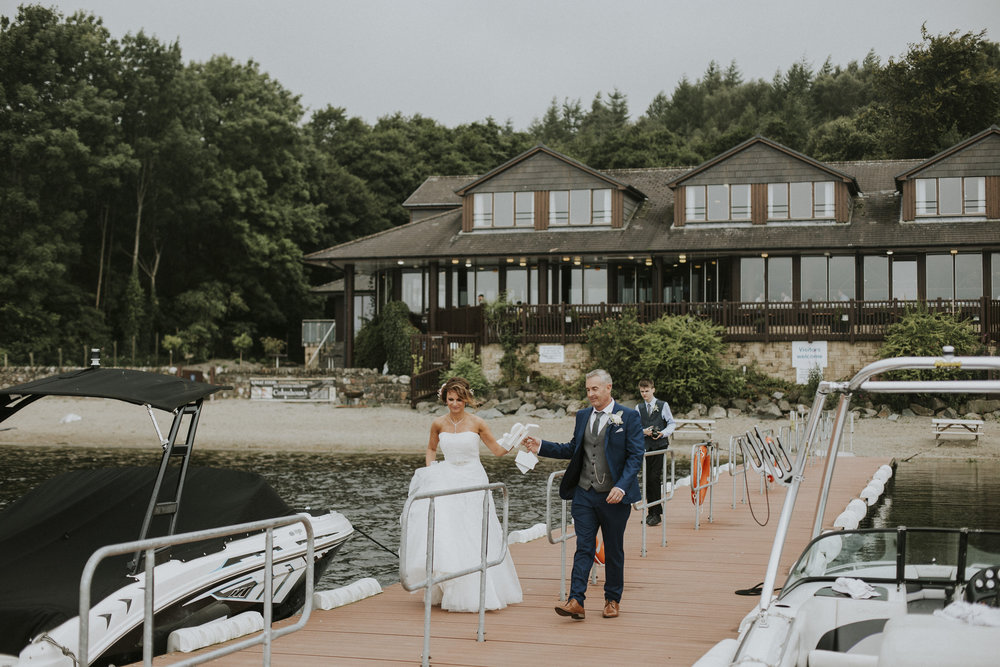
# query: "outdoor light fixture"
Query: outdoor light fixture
{"points": [[954, 251], [649, 261], [468, 263], [399, 261], [454, 260], [888, 252], [682, 259], [576, 261], [764, 255], [510, 260], [523, 262], [565, 259]]}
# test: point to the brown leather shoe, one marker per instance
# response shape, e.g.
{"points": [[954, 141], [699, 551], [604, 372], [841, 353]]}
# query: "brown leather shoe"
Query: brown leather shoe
{"points": [[610, 609], [571, 608]]}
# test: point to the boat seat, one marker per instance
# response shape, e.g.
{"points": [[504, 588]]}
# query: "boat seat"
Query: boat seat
{"points": [[921, 639]]}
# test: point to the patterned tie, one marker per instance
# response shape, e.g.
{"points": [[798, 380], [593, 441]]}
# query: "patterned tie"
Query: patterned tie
{"points": [[650, 408], [596, 428]]}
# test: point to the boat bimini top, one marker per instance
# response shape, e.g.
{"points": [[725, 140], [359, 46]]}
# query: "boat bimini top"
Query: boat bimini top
{"points": [[172, 394]]}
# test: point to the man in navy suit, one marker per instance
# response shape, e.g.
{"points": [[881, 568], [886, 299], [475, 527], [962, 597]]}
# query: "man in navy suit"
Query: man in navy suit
{"points": [[602, 481]]}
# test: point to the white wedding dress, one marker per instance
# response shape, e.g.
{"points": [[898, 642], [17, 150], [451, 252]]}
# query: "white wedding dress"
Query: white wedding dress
{"points": [[458, 530]]}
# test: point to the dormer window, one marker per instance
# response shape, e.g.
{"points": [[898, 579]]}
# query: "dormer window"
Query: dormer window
{"points": [[717, 202], [951, 196], [800, 201], [579, 207], [503, 209]]}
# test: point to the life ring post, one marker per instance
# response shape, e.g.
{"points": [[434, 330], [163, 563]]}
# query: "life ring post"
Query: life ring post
{"points": [[704, 476]]}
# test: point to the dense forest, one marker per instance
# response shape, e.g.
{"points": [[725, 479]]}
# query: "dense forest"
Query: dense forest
{"points": [[142, 197]]}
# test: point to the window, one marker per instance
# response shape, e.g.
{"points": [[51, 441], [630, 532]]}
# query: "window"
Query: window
{"points": [[779, 279], [716, 202], [951, 196], [694, 203], [524, 209], [482, 209], [954, 276], [580, 207], [827, 278], [876, 268], [740, 207], [800, 201], [503, 209], [752, 279]]}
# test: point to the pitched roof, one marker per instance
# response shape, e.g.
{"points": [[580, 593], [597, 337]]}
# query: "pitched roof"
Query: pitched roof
{"points": [[957, 148]]}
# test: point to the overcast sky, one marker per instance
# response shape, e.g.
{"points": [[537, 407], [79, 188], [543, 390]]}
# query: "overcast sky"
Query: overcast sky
{"points": [[459, 61]]}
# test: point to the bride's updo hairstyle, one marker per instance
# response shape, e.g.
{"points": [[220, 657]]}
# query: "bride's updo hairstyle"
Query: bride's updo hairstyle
{"points": [[461, 388]]}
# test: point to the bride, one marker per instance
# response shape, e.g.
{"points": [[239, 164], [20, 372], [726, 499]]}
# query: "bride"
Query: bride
{"points": [[458, 518]]}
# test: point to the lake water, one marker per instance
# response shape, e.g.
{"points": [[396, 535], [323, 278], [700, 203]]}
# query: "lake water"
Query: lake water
{"points": [[370, 490]]}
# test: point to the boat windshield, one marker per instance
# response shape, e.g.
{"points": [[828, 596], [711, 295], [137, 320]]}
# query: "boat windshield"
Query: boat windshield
{"points": [[897, 555]]}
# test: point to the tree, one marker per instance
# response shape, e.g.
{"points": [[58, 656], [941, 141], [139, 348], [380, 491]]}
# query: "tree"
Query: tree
{"points": [[941, 91]]}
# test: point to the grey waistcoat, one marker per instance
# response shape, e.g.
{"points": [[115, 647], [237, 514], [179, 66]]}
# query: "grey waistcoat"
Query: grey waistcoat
{"points": [[595, 474]]}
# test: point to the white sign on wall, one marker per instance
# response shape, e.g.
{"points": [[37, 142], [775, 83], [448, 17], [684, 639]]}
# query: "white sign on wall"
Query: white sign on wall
{"points": [[807, 356], [551, 354]]}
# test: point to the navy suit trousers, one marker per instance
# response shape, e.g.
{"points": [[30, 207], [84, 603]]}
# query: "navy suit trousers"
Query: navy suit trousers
{"points": [[591, 511]]}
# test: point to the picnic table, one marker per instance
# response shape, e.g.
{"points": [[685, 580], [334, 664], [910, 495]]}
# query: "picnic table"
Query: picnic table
{"points": [[945, 427], [698, 428]]}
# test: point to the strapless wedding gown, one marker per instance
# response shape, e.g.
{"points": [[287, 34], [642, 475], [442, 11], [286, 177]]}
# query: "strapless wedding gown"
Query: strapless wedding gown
{"points": [[458, 530]]}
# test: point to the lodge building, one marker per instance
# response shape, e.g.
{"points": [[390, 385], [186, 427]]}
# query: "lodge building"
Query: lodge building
{"points": [[769, 243]]}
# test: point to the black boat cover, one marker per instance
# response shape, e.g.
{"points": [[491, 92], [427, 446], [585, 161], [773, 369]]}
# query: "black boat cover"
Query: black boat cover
{"points": [[163, 392], [47, 536]]}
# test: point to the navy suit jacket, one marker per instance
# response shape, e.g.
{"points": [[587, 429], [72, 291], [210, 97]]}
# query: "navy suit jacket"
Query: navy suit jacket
{"points": [[623, 447]]}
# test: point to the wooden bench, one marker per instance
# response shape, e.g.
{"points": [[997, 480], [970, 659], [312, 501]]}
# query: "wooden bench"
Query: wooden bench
{"points": [[944, 427], [698, 428]]}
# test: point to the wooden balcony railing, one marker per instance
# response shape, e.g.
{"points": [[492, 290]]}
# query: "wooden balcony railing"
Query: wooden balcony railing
{"points": [[740, 321]]}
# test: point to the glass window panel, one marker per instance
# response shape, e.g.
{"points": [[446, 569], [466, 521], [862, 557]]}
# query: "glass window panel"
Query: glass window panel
{"points": [[904, 279], [777, 200], [533, 285], [503, 209], [517, 285], [482, 211], [442, 290], [694, 202], [801, 201], [524, 209], [559, 207], [975, 195], [940, 277], [995, 275], [413, 291], [812, 282], [579, 207], [876, 268], [602, 206], [740, 197], [841, 273], [751, 279], [575, 284], [779, 279], [926, 196], [968, 276], [487, 282], [823, 197], [718, 202], [950, 194], [595, 284]]}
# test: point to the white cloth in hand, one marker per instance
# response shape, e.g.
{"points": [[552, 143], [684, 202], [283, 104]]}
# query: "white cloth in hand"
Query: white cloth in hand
{"points": [[856, 588], [525, 461]]}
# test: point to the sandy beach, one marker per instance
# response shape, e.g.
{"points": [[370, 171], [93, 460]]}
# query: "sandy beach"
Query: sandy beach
{"points": [[266, 425]]}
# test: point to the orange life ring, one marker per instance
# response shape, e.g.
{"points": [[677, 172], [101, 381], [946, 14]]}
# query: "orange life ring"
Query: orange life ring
{"points": [[698, 497], [599, 552]]}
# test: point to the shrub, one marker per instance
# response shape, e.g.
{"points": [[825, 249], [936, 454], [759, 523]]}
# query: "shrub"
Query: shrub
{"points": [[921, 333], [612, 346], [502, 317], [385, 339], [464, 364], [682, 355]]}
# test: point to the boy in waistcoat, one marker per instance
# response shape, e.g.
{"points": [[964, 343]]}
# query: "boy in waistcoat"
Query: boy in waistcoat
{"points": [[657, 425]]}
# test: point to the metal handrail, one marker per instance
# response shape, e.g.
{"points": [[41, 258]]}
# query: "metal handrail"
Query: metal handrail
{"points": [[644, 505], [563, 535], [149, 546], [737, 471], [713, 478], [431, 580]]}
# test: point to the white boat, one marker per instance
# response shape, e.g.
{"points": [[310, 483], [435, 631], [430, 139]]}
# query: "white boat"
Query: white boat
{"points": [[876, 597], [47, 536]]}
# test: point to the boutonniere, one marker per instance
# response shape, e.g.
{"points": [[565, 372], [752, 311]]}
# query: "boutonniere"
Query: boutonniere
{"points": [[616, 418]]}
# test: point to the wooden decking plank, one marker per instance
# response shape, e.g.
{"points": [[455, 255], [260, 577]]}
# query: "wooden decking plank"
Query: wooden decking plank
{"points": [[678, 601]]}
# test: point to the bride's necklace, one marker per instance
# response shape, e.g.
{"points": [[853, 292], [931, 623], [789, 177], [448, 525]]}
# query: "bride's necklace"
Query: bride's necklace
{"points": [[455, 423]]}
